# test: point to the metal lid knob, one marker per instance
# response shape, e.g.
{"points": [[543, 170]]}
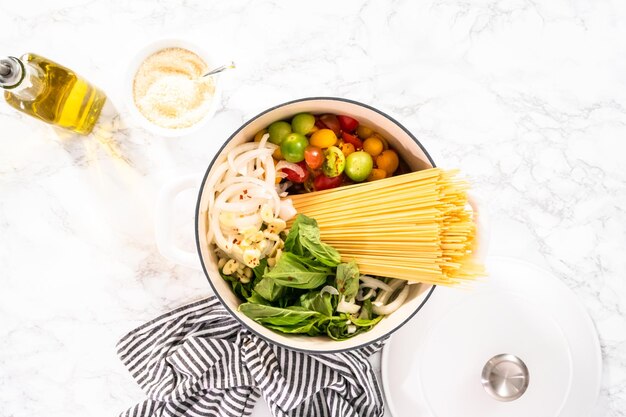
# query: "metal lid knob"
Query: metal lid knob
{"points": [[505, 377]]}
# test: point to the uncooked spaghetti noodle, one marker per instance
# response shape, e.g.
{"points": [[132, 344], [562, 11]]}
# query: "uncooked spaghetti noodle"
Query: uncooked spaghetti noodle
{"points": [[416, 226]]}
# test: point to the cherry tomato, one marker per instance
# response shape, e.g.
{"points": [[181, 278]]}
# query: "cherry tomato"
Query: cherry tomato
{"points": [[347, 123], [313, 156], [346, 148], [364, 132], [323, 138], [331, 122], [377, 174], [278, 131], [388, 160], [292, 147], [303, 123], [334, 162], [373, 146], [359, 166], [322, 182], [293, 175], [348, 138]]}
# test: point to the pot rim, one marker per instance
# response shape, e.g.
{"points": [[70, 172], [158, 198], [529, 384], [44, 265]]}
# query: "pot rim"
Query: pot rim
{"points": [[196, 223]]}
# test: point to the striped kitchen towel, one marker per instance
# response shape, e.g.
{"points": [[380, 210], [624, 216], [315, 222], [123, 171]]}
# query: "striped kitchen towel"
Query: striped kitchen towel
{"points": [[199, 361]]}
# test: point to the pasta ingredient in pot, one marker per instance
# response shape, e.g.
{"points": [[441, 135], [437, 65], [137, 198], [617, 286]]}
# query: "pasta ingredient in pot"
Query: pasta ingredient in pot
{"points": [[290, 280]]}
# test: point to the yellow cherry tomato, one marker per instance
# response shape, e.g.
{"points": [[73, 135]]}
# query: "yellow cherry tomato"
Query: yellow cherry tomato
{"points": [[278, 154], [313, 130], [323, 138], [383, 140], [364, 132], [347, 148], [373, 146], [377, 174], [388, 160], [259, 135]]}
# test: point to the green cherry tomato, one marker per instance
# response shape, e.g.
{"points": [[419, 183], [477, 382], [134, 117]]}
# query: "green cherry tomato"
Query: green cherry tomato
{"points": [[303, 123], [292, 147], [359, 166], [334, 162], [278, 131]]}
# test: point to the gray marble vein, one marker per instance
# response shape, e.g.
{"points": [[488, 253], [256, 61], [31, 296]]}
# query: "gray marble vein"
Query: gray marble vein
{"points": [[527, 97]]}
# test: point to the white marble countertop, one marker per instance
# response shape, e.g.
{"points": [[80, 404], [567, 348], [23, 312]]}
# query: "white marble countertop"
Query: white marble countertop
{"points": [[527, 98]]}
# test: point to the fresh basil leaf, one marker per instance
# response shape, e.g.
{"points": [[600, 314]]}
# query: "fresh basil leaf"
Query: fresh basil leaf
{"points": [[292, 242], [276, 316], [259, 270], [366, 310], [269, 289], [337, 327], [310, 239], [368, 323], [243, 291], [257, 299], [315, 301], [347, 279], [298, 272], [311, 328]]}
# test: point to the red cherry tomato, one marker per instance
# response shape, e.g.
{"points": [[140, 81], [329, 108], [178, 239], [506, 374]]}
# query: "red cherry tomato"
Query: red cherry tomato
{"points": [[348, 138], [347, 123], [293, 175], [313, 156], [319, 124], [331, 122], [322, 182]]}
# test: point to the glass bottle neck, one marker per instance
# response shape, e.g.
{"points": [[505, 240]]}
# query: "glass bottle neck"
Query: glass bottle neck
{"points": [[21, 78]]}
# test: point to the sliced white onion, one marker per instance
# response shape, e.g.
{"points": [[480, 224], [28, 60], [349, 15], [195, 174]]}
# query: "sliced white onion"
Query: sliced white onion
{"points": [[394, 305], [244, 206], [239, 222], [329, 289], [289, 165], [242, 183], [270, 171], [263, 141], [370, 293], [383, 296], [220, 170], [282, 187], [241, 162], [369, 282], [287, 210], [347, 307]]}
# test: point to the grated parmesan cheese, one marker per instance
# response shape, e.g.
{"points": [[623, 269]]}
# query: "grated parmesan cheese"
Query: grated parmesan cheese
{"points": [[167, 89]]}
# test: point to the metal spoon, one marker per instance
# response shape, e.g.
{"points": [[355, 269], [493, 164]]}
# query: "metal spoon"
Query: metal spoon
{"points": [[219, 69]]}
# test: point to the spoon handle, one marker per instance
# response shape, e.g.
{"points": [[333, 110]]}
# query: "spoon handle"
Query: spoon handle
{"points": [[220, 69]]}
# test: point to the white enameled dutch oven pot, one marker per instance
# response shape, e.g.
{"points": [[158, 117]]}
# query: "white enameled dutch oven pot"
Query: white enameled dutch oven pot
{"points": [[400, 139]]}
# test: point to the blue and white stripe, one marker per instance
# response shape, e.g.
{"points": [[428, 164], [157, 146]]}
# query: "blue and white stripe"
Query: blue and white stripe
{"points": [[197, 361]]}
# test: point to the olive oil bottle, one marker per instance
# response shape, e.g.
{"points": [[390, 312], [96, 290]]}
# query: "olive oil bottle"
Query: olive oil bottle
{"points": [[50, 92]]}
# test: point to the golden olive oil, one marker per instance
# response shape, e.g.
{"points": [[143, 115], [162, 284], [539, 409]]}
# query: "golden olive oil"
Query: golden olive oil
{"points": [[55, 94]]}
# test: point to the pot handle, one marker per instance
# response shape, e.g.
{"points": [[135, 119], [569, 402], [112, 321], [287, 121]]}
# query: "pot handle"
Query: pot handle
{"points": [[482, 225], [163, 224]]}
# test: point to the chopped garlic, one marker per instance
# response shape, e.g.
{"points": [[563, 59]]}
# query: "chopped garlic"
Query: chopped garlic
{"points": [[230, 267], [252, 257]]}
